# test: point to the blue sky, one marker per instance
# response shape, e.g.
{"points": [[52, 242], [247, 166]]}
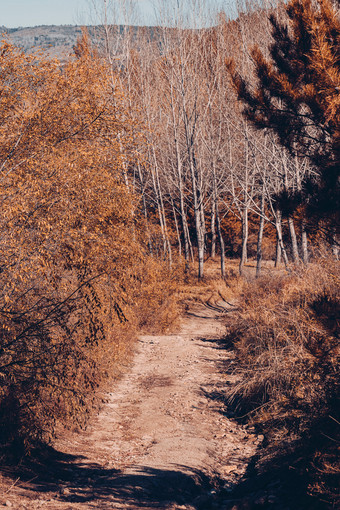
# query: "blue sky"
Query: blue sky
{"points": [[26, 13]]}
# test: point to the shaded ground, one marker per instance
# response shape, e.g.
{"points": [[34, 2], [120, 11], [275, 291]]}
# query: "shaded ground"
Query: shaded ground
{"points": [[160, 441]]}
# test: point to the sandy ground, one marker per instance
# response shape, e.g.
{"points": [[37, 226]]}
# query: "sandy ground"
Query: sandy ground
{"points": [[162, 439]]}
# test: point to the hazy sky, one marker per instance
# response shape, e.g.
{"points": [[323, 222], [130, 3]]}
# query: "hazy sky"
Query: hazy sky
{"points": [[26, 13]]}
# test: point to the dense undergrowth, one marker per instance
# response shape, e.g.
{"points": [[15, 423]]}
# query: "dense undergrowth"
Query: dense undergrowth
{"points": [[77, 278], [286, 338]]}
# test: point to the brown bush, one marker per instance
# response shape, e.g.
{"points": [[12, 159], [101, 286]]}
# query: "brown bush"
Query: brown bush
{"points": [[76, 280], [286, 337]]}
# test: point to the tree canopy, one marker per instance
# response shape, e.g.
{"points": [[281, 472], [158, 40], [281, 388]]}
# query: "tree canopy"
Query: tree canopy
{"points": [[297, 95], [75, 274]]}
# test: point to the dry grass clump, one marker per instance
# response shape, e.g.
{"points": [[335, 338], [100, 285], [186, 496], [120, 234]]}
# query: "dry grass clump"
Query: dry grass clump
{"points": [[155, 295], [212, 287], [286, 336]]}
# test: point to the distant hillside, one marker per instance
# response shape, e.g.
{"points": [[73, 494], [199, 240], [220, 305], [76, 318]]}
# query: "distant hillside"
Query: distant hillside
{"points": [[58, 41]]}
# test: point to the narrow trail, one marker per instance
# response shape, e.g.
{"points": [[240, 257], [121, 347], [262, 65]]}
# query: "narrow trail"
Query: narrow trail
{"points": [[161, 441]]}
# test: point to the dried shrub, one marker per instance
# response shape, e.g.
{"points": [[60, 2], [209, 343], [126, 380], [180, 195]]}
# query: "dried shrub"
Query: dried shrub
{"points": [[156, 294], [212, 288], [75, 275], [286, 337]]}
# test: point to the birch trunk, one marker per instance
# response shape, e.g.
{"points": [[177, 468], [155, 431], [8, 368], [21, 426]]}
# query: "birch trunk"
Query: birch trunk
{"points": [[179, 168], [190, 243], [295, 250], [177, 228], [145, 210], [245, 230], [198, 212], [160, 207], [218, 222], [278, 254], [220, 238], [278, 226], [304, 243], [213, 229], [200, 244], [185, 228], [260, 239]]}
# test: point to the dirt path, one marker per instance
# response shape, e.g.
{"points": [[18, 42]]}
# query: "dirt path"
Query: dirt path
{"points": [[161, 441]]}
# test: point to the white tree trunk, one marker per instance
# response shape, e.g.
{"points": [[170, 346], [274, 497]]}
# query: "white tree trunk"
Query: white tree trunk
{"points": [[260, 238], [280, 245], [213, 229], [220, 239], [245, 231], [304, 243], [295, 250]]}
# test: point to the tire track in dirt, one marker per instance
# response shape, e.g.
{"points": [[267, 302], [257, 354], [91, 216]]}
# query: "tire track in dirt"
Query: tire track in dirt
{"points": [[160, 441]]}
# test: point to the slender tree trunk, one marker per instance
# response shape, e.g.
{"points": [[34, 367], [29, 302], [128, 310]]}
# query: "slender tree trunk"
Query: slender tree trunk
{"points": [[204, 229], [304, 243], [295, 250], [177, 228], [278, 226], [218, 223], [259, 247], [213, 229], [245, 231], [161, 210], [304, 238], [168, 243], [220, 238], [190, 243], [145, 210], [260, 239], [198, 216], [200, 246], [278, 254], [184, 224]]}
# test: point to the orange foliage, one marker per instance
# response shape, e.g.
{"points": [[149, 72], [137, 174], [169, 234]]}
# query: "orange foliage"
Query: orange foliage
{"points": [[72, 258]]}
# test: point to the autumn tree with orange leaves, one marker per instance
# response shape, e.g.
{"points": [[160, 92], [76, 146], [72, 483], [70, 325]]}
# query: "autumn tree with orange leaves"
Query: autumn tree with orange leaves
{"points": [[74, 271]]}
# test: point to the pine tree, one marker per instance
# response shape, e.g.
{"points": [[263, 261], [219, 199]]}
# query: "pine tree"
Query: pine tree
{"points": [[297, 95]]}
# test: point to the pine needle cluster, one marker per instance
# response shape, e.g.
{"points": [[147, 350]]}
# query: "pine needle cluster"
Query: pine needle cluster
{"points": [[297, 95]]}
